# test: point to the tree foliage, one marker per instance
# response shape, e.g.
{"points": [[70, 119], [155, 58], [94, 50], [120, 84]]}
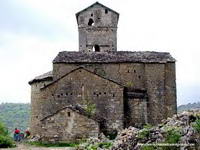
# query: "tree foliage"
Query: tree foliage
{"points": [[5, 140], [15, 115]]}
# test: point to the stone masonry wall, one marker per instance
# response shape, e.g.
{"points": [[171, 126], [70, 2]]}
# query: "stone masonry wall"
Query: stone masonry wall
{"points": [[157, 79], [127, 74], [68, 125], [170, 90], [82, 87], [105, 38], [155, 84], [102, 31], [36, 105], [137, 112]]}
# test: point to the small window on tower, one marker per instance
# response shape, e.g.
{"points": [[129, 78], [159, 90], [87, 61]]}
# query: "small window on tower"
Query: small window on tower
{"points": [[106, 11], [96, 48], [91, 22]]}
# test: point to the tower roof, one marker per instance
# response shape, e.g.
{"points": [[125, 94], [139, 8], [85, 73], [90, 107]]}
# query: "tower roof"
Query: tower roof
{"points": [[97, 3]]}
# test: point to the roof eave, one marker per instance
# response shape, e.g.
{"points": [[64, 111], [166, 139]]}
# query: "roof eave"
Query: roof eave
{"points": [[40, 80]]}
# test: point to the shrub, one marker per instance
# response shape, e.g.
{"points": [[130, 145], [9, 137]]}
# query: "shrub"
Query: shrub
{"points": [[3, 130], [90, 107], [196, 125], [105, 145], [112, 134], [129, 84], [173, 135], [5, 140], [145, 132]]}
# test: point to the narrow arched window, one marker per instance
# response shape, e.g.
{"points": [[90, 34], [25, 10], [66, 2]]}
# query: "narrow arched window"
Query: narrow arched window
{"points": [[90, 22], [68, 113]]}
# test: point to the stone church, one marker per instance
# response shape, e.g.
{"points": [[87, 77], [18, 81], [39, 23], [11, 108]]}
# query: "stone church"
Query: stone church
{"points": [[99, 89]]}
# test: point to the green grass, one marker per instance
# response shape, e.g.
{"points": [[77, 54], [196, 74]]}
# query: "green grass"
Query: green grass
{"points": [[59, 144], [148, 148]]}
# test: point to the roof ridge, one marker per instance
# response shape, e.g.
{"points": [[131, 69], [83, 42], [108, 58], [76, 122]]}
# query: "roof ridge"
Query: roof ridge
{"points": [[80, 67], [78, 109], [114, 57], [96, 3]]}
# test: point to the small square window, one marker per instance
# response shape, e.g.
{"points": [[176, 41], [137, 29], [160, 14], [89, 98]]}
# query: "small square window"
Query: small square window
{"points": [[69, 114]]}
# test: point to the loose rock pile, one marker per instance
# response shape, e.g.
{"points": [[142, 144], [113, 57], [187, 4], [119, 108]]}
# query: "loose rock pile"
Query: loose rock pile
{"points": [[178, 132]]}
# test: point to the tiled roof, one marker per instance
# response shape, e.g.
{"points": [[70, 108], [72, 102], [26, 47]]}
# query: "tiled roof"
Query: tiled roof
{"points": [[113, 57], [43, 77]]}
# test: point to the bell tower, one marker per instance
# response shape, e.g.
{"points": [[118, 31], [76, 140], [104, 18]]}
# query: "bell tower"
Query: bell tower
{"points": [[97, 27]]}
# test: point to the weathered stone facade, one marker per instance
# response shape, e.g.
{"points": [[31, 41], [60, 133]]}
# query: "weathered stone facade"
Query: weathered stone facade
{"points": [[68, 124], [121, 88], [97, 29]]}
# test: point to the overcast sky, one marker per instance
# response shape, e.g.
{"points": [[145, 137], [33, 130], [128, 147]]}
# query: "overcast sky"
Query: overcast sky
{"points": [[32, 32]]}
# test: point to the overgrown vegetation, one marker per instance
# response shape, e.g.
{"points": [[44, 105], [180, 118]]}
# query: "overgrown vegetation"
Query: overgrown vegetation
{"points": [[145, 132], [129, 84], [15, 115], [196, 125], [103, 145], [90, 107], [5, 140], [173, 135], [111, 135]]}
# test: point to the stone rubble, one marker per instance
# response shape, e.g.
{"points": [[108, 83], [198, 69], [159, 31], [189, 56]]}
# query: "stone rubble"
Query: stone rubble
{"points": [[129, 139]]}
